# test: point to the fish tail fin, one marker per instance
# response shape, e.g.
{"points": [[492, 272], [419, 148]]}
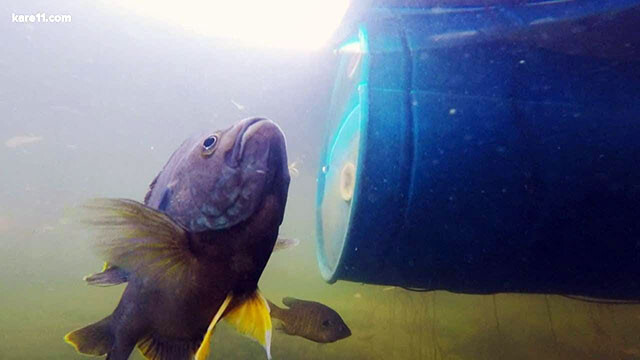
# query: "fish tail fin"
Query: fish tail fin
{"points": [[276, 312], [95, 339]]}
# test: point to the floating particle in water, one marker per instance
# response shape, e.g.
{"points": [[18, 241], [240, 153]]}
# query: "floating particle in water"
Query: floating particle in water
{"points": [[237, 105], [65, 109], [357, 295], [44, 229], [452, 111], [293, 169]]}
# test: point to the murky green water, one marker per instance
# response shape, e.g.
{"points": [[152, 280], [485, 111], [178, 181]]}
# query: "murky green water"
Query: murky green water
{"points": [[44, 297], [111, 97]]}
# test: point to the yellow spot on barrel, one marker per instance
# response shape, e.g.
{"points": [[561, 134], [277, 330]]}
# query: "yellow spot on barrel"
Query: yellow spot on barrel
{"points": [[347, 181]]}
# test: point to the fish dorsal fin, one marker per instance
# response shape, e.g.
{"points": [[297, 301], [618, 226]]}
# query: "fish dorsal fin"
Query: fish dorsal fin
{"points": [[204, 349], [251, 318], [153, 183], [290, 301], [141, 241]]}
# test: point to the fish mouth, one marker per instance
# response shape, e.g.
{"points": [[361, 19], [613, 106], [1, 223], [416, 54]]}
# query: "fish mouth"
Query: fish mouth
{"points": [[274, 150], [345, 333], [260, 151], [247, 129]]}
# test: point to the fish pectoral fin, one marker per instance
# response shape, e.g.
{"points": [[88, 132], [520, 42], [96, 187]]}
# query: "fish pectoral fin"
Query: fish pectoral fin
{"points": [[281, 328], [205, 345], [140, 241], [251, 318]]}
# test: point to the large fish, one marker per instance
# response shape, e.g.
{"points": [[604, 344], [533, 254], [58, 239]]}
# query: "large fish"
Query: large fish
{"points": [[310, 320], [193, 253]]}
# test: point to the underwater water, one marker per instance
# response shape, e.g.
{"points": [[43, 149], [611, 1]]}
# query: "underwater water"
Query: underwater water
{"points": [[94, 108]]}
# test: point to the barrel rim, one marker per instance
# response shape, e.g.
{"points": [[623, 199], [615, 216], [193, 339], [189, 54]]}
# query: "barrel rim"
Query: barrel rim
{"points": [[331, 274]]}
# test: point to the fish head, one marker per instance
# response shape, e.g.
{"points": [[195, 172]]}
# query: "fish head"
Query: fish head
{"points": [[313, 320], [333, 329], [219, 179]]}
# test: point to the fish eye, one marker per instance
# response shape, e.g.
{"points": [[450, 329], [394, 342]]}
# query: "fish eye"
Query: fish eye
{"points": [[326, 323], [209, 144]]}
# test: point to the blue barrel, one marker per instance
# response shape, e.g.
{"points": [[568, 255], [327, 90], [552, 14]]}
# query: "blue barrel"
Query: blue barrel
{"points": [[486, 149]]}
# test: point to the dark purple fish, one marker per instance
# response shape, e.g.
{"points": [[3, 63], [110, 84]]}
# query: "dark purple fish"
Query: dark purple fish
{"points": [[310, 320], [193, 253]]}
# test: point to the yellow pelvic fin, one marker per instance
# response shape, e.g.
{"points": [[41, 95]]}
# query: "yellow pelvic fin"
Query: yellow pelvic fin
{"points": [[95, 339], [204, 349], [251, 318]]}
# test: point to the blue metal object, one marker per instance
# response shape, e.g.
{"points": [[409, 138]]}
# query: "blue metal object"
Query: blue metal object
{"points": [[487, 149]]}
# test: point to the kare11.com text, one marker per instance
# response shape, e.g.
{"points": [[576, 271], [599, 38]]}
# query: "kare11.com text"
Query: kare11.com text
{"points": [[40, 18]]}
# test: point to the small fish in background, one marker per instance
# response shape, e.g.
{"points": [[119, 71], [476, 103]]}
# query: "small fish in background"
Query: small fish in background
{"points": [[285, 243], [311, 320], [5, 224], [16, 141]]}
